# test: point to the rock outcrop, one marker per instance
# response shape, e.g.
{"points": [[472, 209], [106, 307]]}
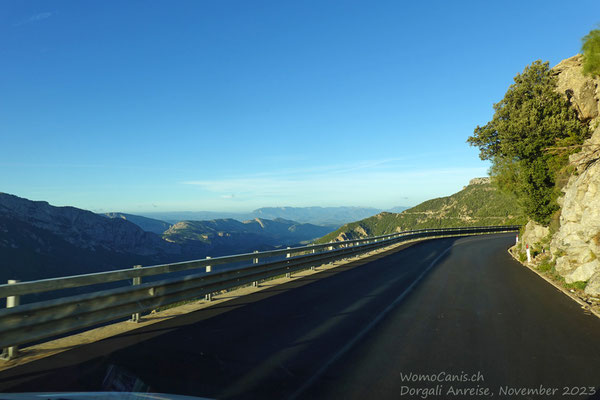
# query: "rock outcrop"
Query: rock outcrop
{"points": [[480, 181], [576, 245], [533, 236], [582, 91]]}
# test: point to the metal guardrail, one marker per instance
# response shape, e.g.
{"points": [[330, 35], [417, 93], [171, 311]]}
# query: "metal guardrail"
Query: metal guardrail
{"points": [[27, 323]]}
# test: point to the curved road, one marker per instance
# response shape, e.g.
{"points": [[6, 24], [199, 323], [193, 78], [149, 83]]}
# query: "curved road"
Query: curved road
{"points": [[445, 319]]}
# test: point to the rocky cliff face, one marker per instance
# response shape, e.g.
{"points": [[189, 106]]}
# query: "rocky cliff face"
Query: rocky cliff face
{"points": [[575, 247], [582, 91], [38, 241], [577, 243], [81, 228]]}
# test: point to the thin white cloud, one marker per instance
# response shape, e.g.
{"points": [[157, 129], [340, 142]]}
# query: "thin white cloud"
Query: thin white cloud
{"points": [[388, 163], [368, 185], [35, 18], [251, 183]]}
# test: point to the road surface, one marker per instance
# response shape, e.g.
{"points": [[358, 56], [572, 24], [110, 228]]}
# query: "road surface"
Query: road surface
{"points": [[447, 318]]}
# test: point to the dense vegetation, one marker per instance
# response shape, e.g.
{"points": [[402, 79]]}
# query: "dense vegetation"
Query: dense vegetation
{"points": [[591, 53], [475, 205], [530, 119]]}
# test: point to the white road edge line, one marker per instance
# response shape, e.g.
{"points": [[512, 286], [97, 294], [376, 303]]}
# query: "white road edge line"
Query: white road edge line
{"points": [[366, 329]]}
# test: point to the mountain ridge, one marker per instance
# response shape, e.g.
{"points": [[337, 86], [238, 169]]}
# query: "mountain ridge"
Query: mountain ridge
{"points": [[83, 228], [147, 224], [478, 203], [274, 232], [315, 215], [39, 240]]}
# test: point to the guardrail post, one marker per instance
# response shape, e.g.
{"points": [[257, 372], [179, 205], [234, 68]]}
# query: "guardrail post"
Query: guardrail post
{"points": [[255, 261], [135, 317], [11, 301], [288, 255], [528, 254], [208, 296]]}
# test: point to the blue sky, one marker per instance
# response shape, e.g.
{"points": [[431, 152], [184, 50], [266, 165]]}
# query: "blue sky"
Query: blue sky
{"points": [[232, 105]]}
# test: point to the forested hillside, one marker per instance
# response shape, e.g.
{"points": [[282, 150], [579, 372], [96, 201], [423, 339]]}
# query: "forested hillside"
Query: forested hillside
{"points": [[478, 204]]}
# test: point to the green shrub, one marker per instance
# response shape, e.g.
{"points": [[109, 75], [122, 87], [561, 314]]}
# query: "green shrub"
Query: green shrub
{"points": [[546, 266], [554, 223], [580, 285], [591, 53]]}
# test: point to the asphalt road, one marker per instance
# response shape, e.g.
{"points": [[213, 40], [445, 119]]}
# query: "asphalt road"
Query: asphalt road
{"points": [[444, 309]]}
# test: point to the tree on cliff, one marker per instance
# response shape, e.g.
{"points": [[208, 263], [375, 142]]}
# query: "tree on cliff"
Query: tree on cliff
{"points": [[530, 118], [591, 53]]}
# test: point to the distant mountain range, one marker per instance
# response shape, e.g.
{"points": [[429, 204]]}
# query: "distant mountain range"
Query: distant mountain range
{"points": [[249, 235], [38, 240], [222, 233], [479, 203], [316, 215], [326, 216]]}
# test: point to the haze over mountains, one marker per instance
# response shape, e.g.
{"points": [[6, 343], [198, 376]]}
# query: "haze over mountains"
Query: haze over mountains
{"points": [[326, 216]]}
